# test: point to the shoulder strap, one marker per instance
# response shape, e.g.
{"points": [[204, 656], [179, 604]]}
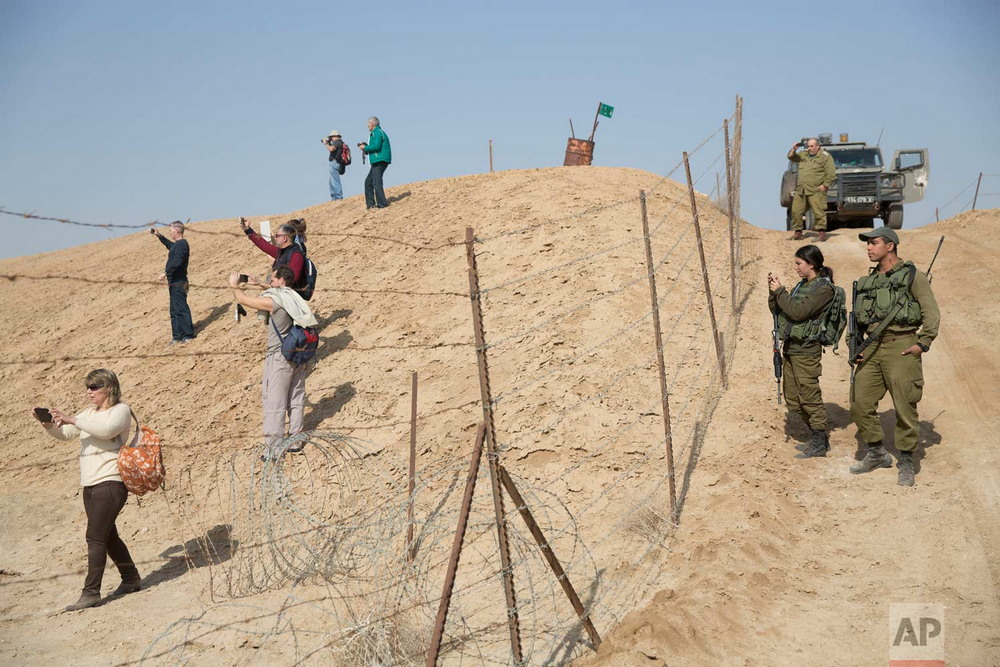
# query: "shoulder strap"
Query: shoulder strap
{"points": [[276, 329]]}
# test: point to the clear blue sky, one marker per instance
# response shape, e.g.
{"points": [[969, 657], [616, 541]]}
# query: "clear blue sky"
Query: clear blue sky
{"points": [[128, 112]]}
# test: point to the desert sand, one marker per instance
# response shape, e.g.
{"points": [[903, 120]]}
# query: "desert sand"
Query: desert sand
{"points": [[772, 560]]}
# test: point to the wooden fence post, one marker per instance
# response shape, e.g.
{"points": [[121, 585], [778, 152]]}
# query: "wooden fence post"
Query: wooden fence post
{"points": [[704, 275], [658, 340], [413, 467], [456, 548], [732, 219], [492, 456], [975, 197]]}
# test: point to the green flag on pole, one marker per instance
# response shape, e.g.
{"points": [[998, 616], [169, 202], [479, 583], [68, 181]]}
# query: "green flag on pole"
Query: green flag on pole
{"points": [[606, 110]]}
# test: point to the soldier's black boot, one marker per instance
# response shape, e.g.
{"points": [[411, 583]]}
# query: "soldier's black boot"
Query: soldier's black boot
{"points": [[906, 469], [817, 445], [876, 457]]}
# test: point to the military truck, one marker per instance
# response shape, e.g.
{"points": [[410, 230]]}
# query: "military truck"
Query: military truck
{"points": [[866, 188]]}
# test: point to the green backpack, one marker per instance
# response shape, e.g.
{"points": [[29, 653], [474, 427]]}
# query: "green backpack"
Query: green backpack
{"points": [[826, 329], [834, 319]]}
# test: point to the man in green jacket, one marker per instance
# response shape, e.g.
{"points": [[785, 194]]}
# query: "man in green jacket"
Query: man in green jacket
{"points": [[816, 174], [896, 309], [380, 155]]}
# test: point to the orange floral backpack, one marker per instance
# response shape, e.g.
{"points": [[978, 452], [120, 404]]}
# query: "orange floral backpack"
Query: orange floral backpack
{"points": [[140, 462]]}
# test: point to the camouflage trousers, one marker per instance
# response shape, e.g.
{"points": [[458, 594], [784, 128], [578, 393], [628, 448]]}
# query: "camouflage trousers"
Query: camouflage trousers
{"points": [[886, 369], [802, 392], [816, 201]]}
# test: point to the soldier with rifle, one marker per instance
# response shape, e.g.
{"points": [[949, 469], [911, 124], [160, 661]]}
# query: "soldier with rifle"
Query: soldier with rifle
{"points": [[799, 317], [895, 319]]}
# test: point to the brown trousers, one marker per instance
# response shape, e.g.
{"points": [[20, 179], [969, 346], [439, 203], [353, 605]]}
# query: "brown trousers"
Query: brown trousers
{"points": [[103, 502]]}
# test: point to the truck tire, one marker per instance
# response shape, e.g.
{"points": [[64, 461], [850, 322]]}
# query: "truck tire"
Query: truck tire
{"points": [[894, 216], [788, 182]]}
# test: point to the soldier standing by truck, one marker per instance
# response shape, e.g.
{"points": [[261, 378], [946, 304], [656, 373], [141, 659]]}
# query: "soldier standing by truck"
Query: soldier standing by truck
{"points": [[895, 307], [816, 174]]}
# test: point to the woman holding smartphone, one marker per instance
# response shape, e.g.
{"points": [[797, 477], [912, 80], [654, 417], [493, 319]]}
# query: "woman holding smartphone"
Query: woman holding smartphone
{"points": [[103, 428]]}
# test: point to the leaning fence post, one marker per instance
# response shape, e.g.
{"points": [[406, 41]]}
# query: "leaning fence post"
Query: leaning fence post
{"points": [[492, 456], [550, 557], [456, 549], [732, 218], [413, 467], [658, 338], [975, 197], [704, 275]]}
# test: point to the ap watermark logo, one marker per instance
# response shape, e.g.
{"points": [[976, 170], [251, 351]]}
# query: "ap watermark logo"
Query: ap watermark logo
{"points": [[916, 635]]}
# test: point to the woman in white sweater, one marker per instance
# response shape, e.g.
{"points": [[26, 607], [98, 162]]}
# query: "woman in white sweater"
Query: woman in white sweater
{"points": [[103, 429]]}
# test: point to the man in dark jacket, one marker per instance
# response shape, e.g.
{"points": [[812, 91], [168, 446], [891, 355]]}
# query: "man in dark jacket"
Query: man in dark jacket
{"points": [[175, 274], [335, 145], [380, 155], [284, 250]]}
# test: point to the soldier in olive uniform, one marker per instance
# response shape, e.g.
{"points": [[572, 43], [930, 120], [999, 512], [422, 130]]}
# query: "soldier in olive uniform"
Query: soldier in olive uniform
{"points": [[816, 174], [896, 308], [799, 321]]}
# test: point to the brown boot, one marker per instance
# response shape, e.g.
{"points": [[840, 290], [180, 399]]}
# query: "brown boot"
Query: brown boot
{"points": [[86, 601], [822, 236], [131, 581], [797, 236]]}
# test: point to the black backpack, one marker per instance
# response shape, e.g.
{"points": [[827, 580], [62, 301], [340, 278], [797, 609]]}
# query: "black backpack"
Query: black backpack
{"points": [[307, 283]]}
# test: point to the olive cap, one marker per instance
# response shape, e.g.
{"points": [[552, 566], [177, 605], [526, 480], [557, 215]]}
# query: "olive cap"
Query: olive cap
{"points": [[886, 232]]}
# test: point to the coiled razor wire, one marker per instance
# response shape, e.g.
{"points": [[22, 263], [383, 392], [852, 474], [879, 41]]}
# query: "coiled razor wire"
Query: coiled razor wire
{"points": [[333, 519]]}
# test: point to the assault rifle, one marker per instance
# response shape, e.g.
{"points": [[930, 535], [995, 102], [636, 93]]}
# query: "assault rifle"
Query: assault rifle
{"points": [[853, 334], [777, 356], [931, 266]]}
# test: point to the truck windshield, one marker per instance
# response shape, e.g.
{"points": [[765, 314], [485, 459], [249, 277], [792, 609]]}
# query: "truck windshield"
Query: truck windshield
{"points": [[857, 157]]}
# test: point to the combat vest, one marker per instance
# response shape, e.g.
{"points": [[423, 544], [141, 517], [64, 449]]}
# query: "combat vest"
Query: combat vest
{"points": [[878, 294], [828, 325]]}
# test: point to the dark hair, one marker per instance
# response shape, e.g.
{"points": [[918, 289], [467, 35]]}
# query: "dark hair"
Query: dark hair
{"points": [[813, 256], [299, 224], [286, 274]]}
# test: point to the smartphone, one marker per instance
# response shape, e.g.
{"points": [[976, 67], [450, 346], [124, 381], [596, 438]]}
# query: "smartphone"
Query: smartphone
{"points": [[43, 415], [244, 278]]}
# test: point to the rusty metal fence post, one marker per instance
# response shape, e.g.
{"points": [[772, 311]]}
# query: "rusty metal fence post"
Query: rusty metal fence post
{"points": [[658, 338], [492, 456], [550, 557], [413, 467], [456, 549], [732, 218], [704, 274]]}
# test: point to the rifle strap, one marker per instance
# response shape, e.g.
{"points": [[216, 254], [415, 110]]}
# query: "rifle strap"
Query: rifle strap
{"points": [[880, 327]]}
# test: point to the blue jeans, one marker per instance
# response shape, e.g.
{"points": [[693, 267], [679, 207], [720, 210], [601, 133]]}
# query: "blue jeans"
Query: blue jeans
{"points": [[374, 193], [180, 314], [336, 190]]}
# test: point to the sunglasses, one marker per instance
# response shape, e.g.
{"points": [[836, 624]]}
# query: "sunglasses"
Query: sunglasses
{"points": [[95, 387]]}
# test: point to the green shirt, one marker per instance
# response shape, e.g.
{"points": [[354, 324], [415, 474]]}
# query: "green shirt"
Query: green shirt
{"points": [[378, 149], [815, 170]]}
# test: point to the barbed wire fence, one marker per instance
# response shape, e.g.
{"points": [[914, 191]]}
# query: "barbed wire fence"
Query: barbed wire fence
{"points": [[605, 502], [991, 180]]}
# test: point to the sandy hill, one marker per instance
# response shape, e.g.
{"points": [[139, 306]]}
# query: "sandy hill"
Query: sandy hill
{"points": [[774, 560]]}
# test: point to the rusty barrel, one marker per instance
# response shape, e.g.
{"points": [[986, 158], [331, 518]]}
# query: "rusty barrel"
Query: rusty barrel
{"points": [[579, 153]]}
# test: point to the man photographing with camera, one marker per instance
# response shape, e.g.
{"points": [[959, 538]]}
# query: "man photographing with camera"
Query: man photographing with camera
{"points": [[380, 155], [816, 174], [335, 145]]}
